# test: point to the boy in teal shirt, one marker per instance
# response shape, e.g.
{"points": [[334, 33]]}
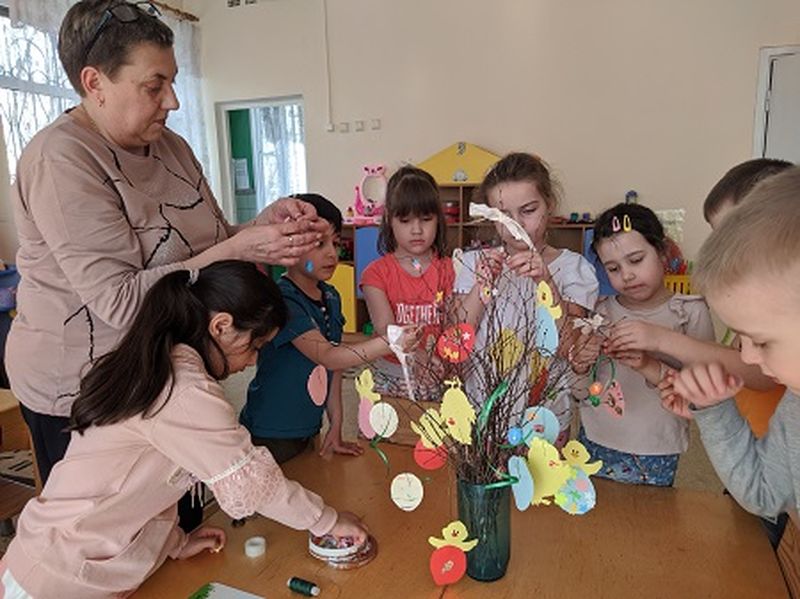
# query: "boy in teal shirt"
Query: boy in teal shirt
{"points": [[285, 401]]}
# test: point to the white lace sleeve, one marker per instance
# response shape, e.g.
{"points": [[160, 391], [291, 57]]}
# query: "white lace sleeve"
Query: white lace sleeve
{"points": [[256, 484]]}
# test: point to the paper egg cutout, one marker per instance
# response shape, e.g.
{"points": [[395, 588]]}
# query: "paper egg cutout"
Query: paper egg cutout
{"points": [[364, 409], [577, 495], [318, 385], [383, 419], [456, 343], [407, 491], [522, 490], [539, 422], [430, 458], [448, 565]]}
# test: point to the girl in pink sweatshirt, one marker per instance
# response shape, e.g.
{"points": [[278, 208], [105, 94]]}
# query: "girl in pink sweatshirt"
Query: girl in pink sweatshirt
{"points": [[151, 420]]}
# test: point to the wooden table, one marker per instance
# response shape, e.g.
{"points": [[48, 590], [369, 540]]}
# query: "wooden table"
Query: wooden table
{"points": [[637, 542]]}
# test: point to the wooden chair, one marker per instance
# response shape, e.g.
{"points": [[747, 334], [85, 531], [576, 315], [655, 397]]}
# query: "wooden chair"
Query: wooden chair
{"points": [[789, 555]]}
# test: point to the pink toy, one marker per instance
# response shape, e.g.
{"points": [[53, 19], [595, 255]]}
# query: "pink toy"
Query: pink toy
{"points": [[370, 194]]}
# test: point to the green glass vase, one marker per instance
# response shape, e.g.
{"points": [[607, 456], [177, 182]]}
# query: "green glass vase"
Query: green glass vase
{"points": [[486, 514]]}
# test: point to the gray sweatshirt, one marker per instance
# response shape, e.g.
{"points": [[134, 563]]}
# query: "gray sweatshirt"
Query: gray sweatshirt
{"points": [[762, 474]]}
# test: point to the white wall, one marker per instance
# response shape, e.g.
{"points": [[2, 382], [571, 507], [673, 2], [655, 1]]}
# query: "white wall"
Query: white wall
{"points": [[644, 94]]}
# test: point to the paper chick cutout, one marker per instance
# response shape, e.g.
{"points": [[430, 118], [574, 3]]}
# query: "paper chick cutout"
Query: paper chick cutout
{"points": [[523, 488], [431, 428], [577, 456], [456, 342], [407, 491], [548, 470], [367, 397], [547, 312], [317, 385], [539, 422], [493, 214], [457, 413], [454, 534], [365, 384], [506, 351]]}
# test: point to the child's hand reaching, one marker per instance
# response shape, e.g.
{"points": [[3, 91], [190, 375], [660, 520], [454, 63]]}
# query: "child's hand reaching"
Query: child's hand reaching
{"points": [[634, 335], [332, 443], [528, 264], [350, 525], [584, 351], [670, 400], [632, 358], [489, 266], [705, 385], [205, 537]]}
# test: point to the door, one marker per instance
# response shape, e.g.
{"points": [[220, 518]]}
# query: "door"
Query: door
{"points": [[779, 109]]}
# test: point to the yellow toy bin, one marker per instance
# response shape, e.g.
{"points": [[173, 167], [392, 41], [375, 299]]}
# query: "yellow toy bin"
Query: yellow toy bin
{"points": [[678, 284]]}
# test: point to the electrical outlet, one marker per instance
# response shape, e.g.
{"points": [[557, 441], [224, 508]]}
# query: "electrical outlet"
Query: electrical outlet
{"points": [[375, 124], [250, 2], [330, 127], [344, 127], [234, 3], [358, 125]]}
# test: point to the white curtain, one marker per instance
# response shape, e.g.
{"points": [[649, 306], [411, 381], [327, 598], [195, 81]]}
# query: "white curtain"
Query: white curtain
{"points": [[44, 15], [278, 133], [189, 120]]}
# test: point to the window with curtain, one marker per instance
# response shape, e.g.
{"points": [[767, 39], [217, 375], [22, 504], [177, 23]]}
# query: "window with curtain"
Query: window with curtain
{"points": [[279, 151], [34, 89]]}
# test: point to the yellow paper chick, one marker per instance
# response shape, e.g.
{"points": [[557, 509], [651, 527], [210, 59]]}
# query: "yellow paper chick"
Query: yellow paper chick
{"points": [[577, 456], [431, 428], [364, 384], [457, 413], [506, 351], [544, 298], [548, 470], [454, 534]]}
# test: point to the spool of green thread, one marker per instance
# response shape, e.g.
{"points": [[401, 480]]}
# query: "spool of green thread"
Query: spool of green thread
{"points": [[304, 587]]}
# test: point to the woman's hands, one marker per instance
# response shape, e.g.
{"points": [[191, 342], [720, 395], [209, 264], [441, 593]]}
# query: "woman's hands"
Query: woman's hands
{"points": [[282, 243], [284, 210], [205, 537], [350, 525]]}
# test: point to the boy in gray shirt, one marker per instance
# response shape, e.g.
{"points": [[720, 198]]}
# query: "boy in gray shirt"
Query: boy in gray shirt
{"points": [[749, 270]]}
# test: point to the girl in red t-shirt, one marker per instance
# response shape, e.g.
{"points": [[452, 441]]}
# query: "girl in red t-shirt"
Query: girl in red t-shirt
{"points": [[412, 281]]}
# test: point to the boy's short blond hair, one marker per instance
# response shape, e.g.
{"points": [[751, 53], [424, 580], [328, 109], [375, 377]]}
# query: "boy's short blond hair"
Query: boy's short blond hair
{"points": [[761, 236]]}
